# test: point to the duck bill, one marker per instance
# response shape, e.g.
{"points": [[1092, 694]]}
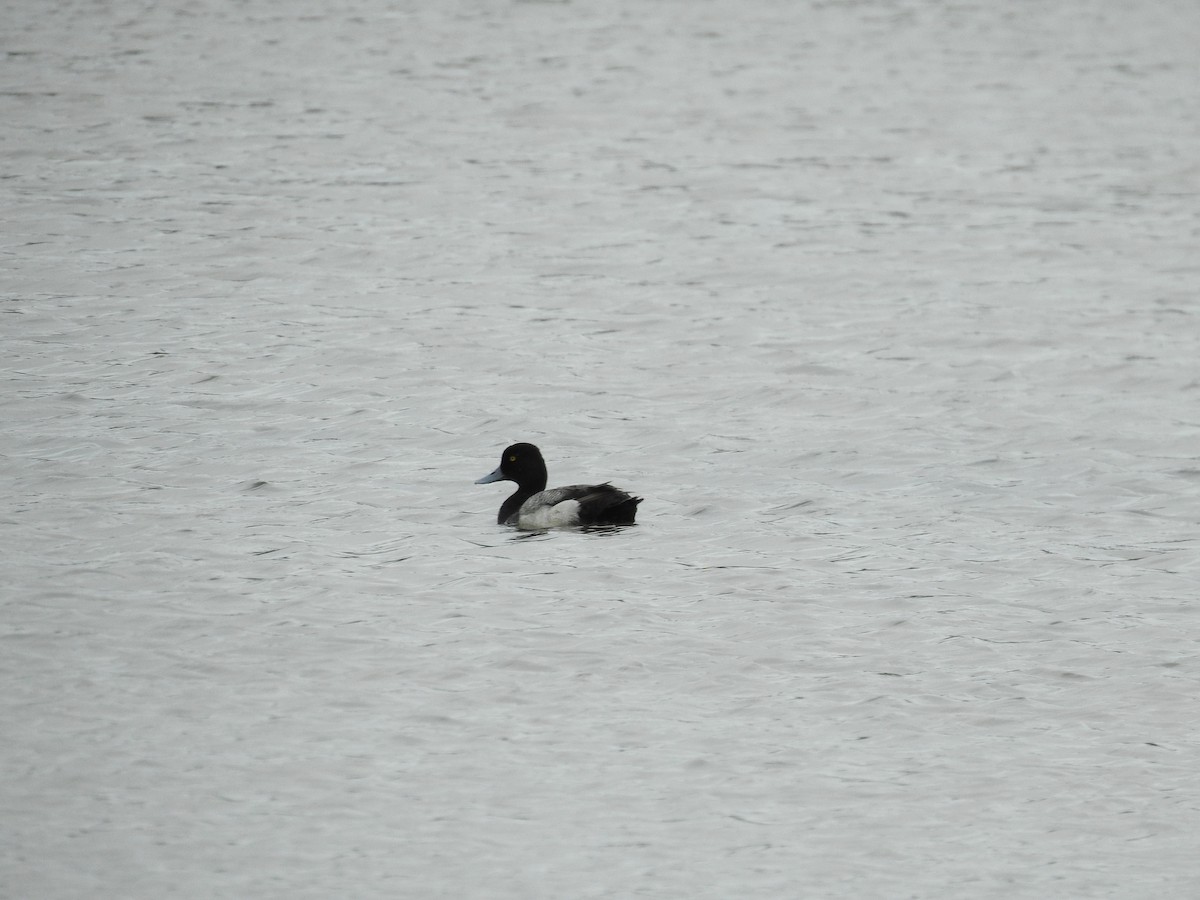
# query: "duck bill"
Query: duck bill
{"points": [[494, 476]]}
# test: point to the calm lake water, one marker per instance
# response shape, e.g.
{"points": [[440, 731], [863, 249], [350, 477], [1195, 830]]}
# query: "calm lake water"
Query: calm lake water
{"points": [[888, 309]]}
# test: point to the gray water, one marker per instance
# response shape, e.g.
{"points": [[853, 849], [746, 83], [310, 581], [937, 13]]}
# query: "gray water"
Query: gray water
{"points": [[888, 309]]}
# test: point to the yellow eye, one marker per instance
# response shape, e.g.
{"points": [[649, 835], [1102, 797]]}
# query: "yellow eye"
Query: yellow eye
{"points": [[512, 459]]}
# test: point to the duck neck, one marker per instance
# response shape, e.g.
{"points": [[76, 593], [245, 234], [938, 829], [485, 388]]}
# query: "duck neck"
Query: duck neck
{"points": [[513, 503], [526, 488]]}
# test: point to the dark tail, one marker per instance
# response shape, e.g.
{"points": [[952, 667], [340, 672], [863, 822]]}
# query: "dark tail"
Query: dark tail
{"points": [[609, 506], [623, 513]]}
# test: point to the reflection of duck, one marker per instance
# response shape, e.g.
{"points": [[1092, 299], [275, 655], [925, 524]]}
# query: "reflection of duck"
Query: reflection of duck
{"points": [[533, 507]]}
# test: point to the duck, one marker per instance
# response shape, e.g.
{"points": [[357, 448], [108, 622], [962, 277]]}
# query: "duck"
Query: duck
{"points": [[534, 508]]}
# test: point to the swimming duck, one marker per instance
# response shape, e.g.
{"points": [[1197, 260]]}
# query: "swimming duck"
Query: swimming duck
{"points": [[535, 508]]}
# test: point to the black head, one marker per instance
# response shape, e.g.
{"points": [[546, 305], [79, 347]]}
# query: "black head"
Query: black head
{"points": [[521, 463]]}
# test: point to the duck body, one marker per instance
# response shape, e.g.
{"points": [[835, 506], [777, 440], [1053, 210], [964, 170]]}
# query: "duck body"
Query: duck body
{"points": [[534, 508]]}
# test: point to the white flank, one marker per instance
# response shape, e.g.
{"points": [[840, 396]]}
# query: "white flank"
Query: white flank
{"points": [[565, 513]]}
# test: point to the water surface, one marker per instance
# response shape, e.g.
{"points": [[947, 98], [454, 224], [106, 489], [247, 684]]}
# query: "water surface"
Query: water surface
{"points": [[887, 309]]}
